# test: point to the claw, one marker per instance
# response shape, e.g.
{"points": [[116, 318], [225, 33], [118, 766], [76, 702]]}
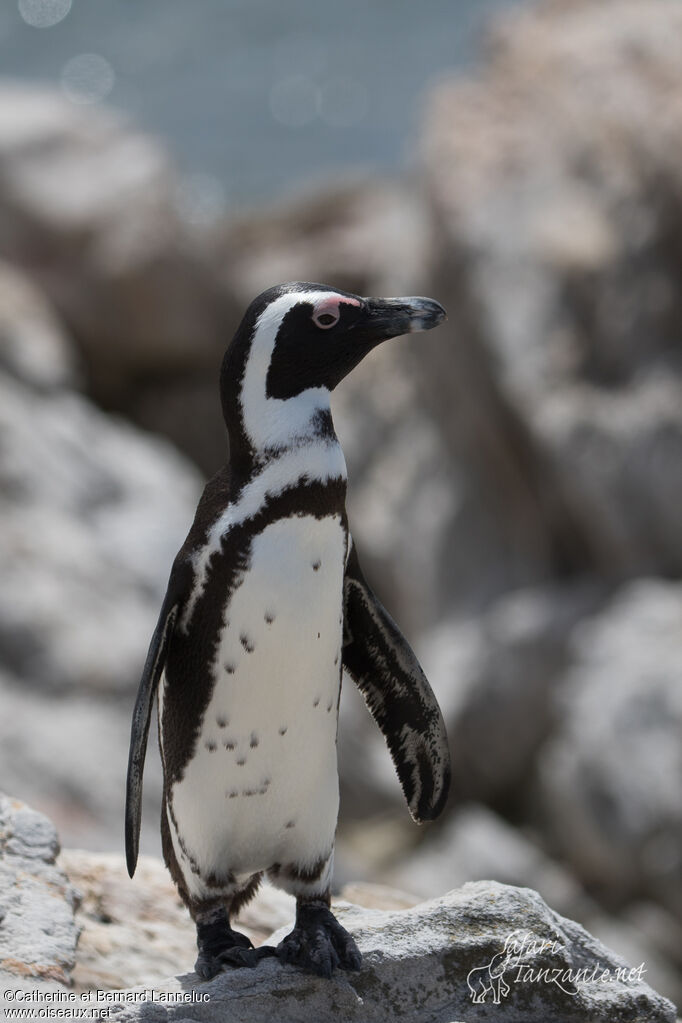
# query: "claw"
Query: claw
{"points": [[220, 946], [319, 944], [241, 940], [207, 968]]}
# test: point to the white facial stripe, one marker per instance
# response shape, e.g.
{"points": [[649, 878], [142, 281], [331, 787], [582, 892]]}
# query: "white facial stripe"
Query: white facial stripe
{"points": [[276, 422], [322, 461]]}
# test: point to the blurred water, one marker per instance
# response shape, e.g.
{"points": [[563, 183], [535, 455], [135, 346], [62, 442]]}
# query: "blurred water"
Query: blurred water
{"points": [[252, 97]]}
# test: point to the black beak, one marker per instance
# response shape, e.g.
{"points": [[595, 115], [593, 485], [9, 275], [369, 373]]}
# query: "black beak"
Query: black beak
{"points": [[390, 317]]}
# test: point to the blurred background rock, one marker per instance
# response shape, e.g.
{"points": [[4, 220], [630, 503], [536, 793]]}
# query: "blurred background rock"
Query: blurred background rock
{"points": [[516, 476]]}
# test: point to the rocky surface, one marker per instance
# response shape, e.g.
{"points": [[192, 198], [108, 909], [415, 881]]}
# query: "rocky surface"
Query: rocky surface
{"points": [[452, 958], [38, 932], [457, 956], [612, 774], [364, 235], [88, 207], [497, 677], [556, 206], [93, 512], [476, 844], [509, 473], [138, 931]]}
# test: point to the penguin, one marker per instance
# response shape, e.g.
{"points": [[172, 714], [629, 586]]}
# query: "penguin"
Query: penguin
{"points": [[266, 608]]}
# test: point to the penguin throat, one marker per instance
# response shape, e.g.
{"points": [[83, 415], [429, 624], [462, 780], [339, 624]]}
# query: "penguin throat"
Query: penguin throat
{"points": [[283, 425], [273, 424]]}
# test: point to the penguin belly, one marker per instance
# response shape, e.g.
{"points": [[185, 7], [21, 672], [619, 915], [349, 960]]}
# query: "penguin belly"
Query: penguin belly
{"points": [[262, 785]]}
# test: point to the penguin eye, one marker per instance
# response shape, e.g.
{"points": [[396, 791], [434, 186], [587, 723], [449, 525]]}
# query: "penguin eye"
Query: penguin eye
{"points": [[326, 319]]}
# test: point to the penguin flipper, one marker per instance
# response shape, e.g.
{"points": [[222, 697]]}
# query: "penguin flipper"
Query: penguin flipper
{"points": [[151, 673], [382, 664]]}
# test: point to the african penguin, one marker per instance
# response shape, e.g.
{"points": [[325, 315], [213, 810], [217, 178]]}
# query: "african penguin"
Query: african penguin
{"points": [[266, 606]]}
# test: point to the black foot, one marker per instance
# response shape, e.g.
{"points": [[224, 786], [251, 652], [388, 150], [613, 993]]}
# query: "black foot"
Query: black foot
{"points": [[318, 943], [220, 946]]}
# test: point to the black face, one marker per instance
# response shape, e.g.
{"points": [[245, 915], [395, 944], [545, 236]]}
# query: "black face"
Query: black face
{"points": [[321, 339]]}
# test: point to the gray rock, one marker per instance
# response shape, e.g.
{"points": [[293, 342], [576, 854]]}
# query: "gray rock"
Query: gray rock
{"points": [[138, 931], [34, 348], [88, 204], [429, 964], [495, 677], [364, 235], [611, 777], [556, 380], [66, 755], [93, 513], [38, 932], [402, 493], [475, 844], [630, 940]]}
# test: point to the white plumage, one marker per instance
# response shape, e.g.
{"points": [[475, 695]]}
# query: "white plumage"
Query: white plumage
{"points": [[262, 786], [319, 460]]}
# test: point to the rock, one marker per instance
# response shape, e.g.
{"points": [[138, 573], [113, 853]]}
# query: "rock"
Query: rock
{"points": [[363, 235], [611, 776], [377, 896], [475, 844], [431, 959], [495, 677], [660, 929], [556, 383], [66, 754], [138, 931], [630, 941], [34, 348], [89, 208], [429, 962], [38, 933], [93, 514], [402, 494]]}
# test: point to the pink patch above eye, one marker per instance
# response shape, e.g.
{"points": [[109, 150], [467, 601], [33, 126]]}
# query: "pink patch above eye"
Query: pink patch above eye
{"points": [[329, 306]]}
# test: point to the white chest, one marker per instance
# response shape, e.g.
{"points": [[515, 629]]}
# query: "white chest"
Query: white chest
{"points": [[262, 785]]}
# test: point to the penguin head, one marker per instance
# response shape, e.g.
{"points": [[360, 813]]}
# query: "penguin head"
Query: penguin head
{"points": [[296, 342]]}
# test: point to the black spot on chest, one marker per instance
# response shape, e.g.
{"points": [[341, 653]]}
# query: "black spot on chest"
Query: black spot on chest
{"points": [[247, 642], [191, 657]]}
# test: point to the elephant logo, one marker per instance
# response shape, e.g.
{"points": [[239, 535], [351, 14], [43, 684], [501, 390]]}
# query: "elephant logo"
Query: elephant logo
{"points": [[487, 980]]}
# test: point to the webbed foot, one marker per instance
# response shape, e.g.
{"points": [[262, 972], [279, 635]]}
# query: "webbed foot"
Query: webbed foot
{"points": [[219, 946], [318, 942]]}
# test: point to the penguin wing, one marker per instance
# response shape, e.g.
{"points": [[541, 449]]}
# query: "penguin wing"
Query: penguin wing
{"points": [[382, 664], [151, 673]]}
